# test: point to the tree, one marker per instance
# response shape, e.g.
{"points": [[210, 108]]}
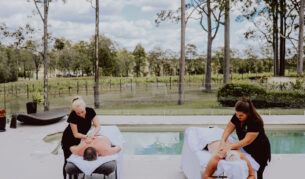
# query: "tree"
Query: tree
{"points": [[124, 63], [36, 56], [44, 19], [208, 8], [140, 58], [301, 38], [96, 52], [96, 67], [226, 66], [265, 15]]}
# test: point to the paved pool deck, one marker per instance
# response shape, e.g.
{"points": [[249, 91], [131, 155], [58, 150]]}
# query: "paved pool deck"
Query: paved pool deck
{"points": [[24, 155]]}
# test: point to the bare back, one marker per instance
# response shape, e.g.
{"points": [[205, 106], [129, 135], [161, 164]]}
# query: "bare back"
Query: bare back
{"points": [[101, 143]]}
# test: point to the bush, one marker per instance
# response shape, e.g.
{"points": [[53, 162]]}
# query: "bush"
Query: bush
{"points": [[230, 93], [293, 99]]}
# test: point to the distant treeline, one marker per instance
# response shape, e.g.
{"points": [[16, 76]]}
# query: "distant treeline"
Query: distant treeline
{"points": [[78, 58]]}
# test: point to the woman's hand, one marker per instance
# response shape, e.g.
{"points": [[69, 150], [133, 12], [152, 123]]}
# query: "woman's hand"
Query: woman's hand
{"points": [[223, 149], [89, 138]]}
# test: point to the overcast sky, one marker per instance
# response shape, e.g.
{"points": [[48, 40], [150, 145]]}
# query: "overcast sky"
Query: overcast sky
{"points": [[128, 22]]}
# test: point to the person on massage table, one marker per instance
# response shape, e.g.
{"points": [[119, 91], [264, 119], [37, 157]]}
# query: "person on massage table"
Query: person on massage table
{"points": [[232, 155], [101, 145]]}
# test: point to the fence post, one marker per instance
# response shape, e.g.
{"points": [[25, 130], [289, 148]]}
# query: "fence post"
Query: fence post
{"points": [[157, 83], [120, 84], [27, 90], [16, 90], [170, 82], [86, 86], [4, 97], [77, 87], [131, 85], [110, 83]]}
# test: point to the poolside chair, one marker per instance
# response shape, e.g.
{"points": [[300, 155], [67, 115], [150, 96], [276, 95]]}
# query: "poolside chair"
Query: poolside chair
{"points": [[110, 166], [195, 159], [42, 118]]}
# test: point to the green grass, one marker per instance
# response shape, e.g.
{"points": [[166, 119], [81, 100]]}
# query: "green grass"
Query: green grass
{"points": [[145, 99]]}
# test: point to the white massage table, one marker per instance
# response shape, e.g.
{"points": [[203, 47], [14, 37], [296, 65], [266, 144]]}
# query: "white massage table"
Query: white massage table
{"points": [[194, 158], [88, 167]]}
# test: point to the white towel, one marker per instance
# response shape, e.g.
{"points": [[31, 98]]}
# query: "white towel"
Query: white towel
{"points": [[116, 138]]}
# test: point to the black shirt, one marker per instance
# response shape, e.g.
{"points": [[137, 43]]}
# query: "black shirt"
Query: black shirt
{"points": [[260, 147], [83, 126]]}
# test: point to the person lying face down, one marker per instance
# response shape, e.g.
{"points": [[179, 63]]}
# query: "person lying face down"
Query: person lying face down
{"points": [[231, 155], [97, 146]]}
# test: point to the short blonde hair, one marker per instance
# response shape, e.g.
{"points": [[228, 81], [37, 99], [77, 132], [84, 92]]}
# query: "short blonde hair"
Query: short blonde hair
{"points": [[77, 102]]}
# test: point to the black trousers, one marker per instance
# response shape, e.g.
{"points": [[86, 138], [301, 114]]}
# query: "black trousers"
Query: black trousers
{"points": [[67, 154], [261, 171]]}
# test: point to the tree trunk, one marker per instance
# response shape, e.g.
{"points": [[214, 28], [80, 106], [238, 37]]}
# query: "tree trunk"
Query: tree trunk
{"points": [[226, 68], [282, 39], [45, 56], [209, 50], [182, 59], [275, 40], [96, 77], [301, 39], [37, 70]]}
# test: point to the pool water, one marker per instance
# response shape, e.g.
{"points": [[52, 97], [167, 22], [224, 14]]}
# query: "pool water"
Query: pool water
{"points": [[170, 143]]}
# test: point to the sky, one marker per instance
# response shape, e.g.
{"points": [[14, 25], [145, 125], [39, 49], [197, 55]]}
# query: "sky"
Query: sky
{"points": [[127, 22]]}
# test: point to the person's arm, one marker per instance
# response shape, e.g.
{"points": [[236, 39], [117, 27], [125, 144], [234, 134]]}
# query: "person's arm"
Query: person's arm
{"points": [[248, 139], [75, 132], [112, 150], [227, 132], [97, 127], [78, 149]]}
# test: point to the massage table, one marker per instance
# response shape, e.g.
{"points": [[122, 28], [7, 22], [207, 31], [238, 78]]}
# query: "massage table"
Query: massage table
{"points": [[194, 159], [108, 166]]}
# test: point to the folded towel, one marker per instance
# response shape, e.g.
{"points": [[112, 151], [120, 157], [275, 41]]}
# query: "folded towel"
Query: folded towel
{"points": [[116, 138]]}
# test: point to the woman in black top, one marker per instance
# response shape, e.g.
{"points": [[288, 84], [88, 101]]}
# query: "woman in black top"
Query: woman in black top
{"points": [[250, 131], [80, 121]]}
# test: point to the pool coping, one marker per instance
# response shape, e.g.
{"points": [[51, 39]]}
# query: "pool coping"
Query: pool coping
{"points": [[180, 123]]}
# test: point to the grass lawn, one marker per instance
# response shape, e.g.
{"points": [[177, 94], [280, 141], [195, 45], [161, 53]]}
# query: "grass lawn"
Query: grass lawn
{"points": [[142, 99]]}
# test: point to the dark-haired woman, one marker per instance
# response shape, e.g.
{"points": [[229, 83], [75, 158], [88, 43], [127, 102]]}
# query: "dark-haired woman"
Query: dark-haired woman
{"points": [[249, 128]]}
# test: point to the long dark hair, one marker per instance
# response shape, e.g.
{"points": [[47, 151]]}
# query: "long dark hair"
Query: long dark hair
{"points": [[246, 106]]}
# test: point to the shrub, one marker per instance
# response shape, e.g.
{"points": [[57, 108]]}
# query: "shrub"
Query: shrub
{"points": [[230, 93], [292, 99]]}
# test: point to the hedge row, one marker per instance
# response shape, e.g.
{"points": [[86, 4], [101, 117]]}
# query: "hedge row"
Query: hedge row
{"points": [[230, 93]]}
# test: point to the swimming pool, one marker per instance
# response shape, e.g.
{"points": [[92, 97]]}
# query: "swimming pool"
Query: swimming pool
{"points": [[170, 143]]}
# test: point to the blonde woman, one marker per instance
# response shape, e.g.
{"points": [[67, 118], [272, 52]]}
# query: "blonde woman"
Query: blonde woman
{"points": [[80, 121]]}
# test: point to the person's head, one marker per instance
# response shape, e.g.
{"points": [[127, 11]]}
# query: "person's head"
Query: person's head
{"points": [[79, 106], [90, 154], [245, 108]]}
